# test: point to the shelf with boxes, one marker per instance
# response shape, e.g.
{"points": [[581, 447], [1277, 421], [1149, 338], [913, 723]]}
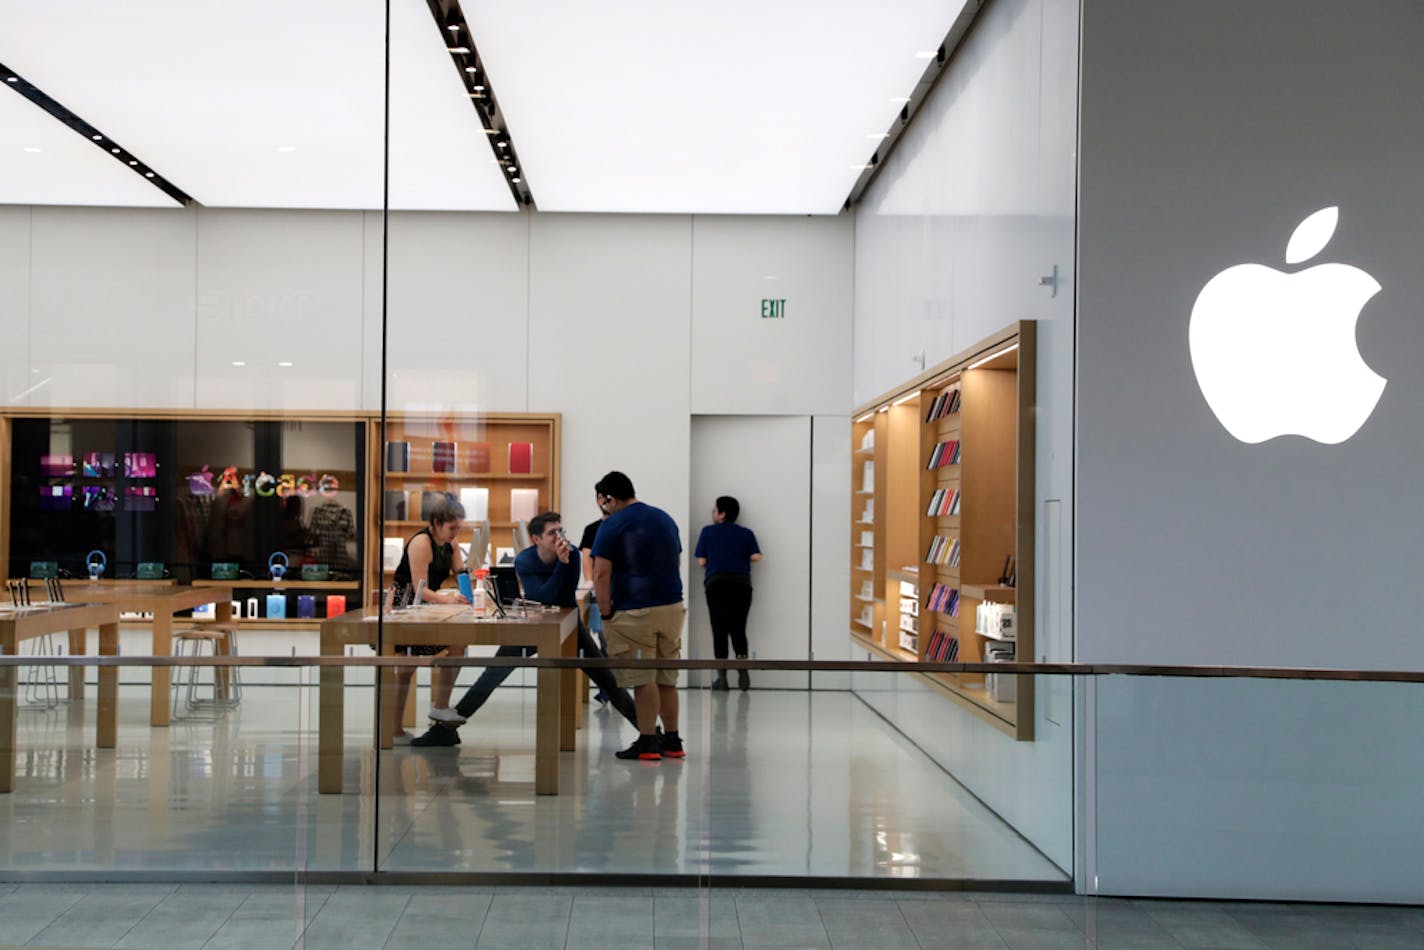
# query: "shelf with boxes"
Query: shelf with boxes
{"points": [[502, 467], [287, 602], [953, 496]]}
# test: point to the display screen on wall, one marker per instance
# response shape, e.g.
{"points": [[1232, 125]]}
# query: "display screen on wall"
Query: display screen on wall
{"points": [[187, 493]]}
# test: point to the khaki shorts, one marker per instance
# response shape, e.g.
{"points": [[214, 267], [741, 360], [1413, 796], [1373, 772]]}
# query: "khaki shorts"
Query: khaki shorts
{"points": [[645, 634]]}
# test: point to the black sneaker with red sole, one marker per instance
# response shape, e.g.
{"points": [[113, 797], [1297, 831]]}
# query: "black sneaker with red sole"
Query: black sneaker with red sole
{"points": [[644, 748]]}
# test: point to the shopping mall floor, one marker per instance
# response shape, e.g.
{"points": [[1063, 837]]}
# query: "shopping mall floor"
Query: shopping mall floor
{"points": [[228, 917]]}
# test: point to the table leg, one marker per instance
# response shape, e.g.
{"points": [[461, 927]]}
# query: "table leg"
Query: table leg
{"points": [[78, 646], [547, 728], [385, 717], [158, 700], [331, 721], [9, 682], [222, 677], [569, 706], [108, 717]]}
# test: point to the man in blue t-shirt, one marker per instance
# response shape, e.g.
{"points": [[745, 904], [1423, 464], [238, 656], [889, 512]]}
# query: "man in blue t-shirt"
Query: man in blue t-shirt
{"points": [[726, 550], [549, 573], [637, 559]]}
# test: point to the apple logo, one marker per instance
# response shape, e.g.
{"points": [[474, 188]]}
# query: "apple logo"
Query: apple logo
{"points": [[1274, 352]]}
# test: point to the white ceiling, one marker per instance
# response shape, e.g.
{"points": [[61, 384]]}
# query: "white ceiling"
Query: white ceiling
{"points": [[625, 106]]}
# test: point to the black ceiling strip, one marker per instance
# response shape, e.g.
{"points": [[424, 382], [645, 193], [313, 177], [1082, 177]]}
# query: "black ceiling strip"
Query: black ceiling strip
{"points": [[455, 32], [97, 138], [917, 98]]}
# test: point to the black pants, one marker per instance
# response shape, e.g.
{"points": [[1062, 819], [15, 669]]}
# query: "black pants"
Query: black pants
{"points": [[489, 680], [729, 600]]}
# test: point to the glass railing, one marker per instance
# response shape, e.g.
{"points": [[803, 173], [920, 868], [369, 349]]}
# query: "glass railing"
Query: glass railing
{"points": [[273, 769]]}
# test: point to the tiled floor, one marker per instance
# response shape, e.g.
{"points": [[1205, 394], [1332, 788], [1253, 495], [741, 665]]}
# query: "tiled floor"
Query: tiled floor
{"points": [[226, 917], [777, 783]]}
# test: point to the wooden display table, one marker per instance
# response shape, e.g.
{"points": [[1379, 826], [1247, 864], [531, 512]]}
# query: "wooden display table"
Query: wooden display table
{"points": [[163, 600], [28, 622], [552, 633]]}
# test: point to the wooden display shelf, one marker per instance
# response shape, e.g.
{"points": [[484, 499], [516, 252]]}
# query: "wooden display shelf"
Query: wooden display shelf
{"points": [[996, 381], [999, 595], [288, 583], [470, 476]]}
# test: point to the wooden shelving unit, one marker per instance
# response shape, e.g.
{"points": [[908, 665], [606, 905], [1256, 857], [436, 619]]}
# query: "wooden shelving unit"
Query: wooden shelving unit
{"points": [[496, 431], [986, 446]]}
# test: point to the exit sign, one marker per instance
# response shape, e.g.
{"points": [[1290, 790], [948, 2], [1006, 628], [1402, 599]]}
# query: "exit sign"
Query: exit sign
{"points": [[772, 309]]}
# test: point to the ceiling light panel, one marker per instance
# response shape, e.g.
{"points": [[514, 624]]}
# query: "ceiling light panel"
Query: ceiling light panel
{"points": [[43, 161], [268, 103], [733, 106]]}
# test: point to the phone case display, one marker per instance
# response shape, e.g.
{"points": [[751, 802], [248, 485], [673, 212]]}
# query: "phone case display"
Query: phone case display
{"points": [[521, 457], [943, 477], [477, 457], [523, 503], [397, 456], [394, 505], [501, 467]]}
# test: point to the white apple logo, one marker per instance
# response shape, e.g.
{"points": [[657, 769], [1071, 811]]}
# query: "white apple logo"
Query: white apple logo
{"points": [[1275, 352]]}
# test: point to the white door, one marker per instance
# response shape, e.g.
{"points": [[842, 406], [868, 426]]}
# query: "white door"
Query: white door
{"points": [[765, 463]]}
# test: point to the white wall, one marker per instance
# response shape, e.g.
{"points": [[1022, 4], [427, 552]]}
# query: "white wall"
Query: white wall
{"points": [[623, 323], [743, 363], [15, 303], [972, 208]]}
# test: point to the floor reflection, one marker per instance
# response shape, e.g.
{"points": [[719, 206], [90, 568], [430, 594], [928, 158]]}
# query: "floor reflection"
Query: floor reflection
{"points": [[775, 783]]}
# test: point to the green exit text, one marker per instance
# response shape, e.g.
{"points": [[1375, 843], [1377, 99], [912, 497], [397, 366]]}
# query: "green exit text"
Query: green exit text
{"points": [[773, 309]]}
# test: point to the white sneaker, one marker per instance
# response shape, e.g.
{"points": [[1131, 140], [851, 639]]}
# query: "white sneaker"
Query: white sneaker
{"points": [[446, 715]]}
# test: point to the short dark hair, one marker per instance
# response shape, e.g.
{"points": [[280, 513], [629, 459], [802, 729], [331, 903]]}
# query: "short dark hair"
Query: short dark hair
{"points": [[616, 485], [730, 507], [539, 523], [447, 510]]}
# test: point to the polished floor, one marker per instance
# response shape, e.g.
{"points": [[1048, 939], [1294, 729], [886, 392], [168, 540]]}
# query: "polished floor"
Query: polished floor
{"points": [[779, 784], [226, 917]]}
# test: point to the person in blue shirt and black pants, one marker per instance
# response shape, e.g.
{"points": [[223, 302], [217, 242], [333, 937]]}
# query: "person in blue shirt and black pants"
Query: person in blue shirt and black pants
{"points": [[727, 551]]}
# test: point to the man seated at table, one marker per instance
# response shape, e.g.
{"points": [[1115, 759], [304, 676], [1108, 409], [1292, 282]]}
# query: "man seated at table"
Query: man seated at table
{"points": [[549, 573]]}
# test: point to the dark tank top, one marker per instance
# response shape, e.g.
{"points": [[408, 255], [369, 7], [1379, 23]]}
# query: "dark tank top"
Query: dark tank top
{"points": [[442, 558]]}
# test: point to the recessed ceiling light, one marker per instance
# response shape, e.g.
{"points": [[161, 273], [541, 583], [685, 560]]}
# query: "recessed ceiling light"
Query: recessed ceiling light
{"points": [[453, 27], [517, 180], [13, 79], [133, 162], [472, 69], [458, 49], [148, 174], [238, 363], [502, 144], [97, 138], [33, 148], [512, 169], [926, 54], [286, 148], [114, 150], [479, 88], [491, 131], [877, 135], [285, 363]]}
